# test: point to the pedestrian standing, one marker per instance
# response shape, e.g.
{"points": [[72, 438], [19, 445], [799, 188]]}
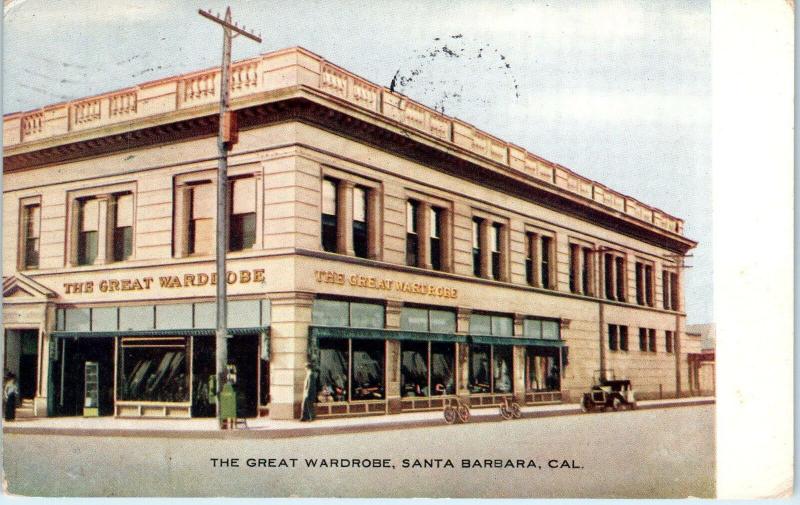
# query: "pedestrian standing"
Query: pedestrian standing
{"points": [[310, 390], [10, 393]]}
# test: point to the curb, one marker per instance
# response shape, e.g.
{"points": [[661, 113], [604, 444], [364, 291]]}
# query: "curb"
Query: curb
{"points": [[267, 433]]}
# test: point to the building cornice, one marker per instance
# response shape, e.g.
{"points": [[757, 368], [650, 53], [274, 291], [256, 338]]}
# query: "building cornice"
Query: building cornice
{"points": [[295, 84]]}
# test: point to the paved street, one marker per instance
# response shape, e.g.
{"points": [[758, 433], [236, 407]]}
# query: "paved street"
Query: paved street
{"points": [[644, 453]]}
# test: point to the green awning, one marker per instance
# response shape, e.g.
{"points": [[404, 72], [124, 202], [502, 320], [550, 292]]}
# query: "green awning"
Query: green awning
{"points": [[181, 332], [383, 334], [498, 340]]}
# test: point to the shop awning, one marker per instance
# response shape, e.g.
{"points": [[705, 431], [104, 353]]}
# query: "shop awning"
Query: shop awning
{"points": [[498, 340], [383, 334], [182, 332]]}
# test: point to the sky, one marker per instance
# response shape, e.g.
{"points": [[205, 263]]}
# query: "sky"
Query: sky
{"points": [[619, 92]]}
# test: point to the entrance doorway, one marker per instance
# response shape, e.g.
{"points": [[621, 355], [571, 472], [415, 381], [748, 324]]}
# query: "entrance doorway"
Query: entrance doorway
{"points": [[22, 359], [68, 374], [243, 352]]}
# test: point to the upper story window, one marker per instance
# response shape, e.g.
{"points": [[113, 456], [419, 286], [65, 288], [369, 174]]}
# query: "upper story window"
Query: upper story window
{"points": [[412, 236], [669, 340], [242, 232], [202, 238], [350, 215], [29, 237], [581, 269], [437, 224], [360, 222], [587, 271], [614, 276], [329, 219], [617, 337], [670, 292], [647, 339], [476, 246], [644, 283], [538, 254], [122, 208], [88, 231], [489, 248]]}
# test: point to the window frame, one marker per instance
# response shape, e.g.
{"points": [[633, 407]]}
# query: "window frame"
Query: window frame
{"points": [[22, 234], [345, 183], [105, 196]]}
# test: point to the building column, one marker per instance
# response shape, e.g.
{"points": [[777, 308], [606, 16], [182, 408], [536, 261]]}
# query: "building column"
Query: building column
{"points": [[74, 231], [446, 240], [393, 310], [575, 266], [183, 202], [374, 224], [505, 251], [43, 360], [344, 213], [291, 317], [518, 358], [486, 249], [462, 352], [259, 182], [103, 238], [535, 244], [423, 219]]}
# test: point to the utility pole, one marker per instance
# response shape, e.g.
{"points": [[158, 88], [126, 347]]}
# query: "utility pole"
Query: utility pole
{"points": [[228, 136]]}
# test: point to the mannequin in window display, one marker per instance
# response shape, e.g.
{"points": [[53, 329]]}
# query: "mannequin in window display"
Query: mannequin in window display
{"points": [[481, 383], [502, 380], [553, 379]]}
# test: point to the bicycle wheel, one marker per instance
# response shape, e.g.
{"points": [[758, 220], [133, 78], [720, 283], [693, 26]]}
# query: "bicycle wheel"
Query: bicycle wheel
{"points": [[516, 411], [450, 415], [463, 413], [505, 413]]}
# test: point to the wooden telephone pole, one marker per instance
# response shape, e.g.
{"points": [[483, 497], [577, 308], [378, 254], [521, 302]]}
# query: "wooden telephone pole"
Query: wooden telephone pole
{"points": [[228, 136]]}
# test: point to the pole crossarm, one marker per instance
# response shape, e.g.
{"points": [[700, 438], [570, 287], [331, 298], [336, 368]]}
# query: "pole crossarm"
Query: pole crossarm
{"points": [[234, 27]]}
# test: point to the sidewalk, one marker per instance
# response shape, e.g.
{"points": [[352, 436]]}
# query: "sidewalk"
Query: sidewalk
{"points": [[272, 428]]}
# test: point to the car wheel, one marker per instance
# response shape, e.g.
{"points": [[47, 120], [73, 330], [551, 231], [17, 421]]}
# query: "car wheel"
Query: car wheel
{"points": [[616, 404], [585, 407]]}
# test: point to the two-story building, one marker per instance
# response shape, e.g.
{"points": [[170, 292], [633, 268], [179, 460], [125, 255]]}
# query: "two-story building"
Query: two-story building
{"points": [[407, 255]]}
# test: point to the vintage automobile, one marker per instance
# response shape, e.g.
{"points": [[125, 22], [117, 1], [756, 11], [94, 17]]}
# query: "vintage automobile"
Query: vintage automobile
{"points": [[608, 392]]}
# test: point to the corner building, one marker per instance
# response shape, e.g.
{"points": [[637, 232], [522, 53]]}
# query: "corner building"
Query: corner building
{"points": [[407, 255]]}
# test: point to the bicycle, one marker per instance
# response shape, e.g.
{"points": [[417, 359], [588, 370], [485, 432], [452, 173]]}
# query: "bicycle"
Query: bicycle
{"points": [[510, 409], [455, 410]]}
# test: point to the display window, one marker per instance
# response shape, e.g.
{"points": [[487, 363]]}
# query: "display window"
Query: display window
{"points": [[542, 367], [153, 369], [491, 368]]}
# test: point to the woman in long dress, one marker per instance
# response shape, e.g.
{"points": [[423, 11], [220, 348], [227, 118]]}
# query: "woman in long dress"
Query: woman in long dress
{"points": [[10, 393]]}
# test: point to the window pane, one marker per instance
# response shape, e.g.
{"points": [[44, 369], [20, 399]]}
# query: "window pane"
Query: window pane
{"points": [[435, 223], [90, 215], [550, 330], [480, 324], [443, 321], [330, 313], [502, 325], [174, 316], [368, 369], [123, 243], [543, 372], [32, 220], [503, 369], [359, 204], [479, 368], [104, 319], [203, 201], [494, 237], [414, 319], [205, 315], [366, 315], [532, 328], [124, 210], [476, 234], [545, 265], [333, 363], [87, 247], [328, 197], [411, 217], [202, 237], [443, 365], [244, 195], [137, 318], [414, 369], [150, 373], [76, 319], [242, 231], [244, 313]]}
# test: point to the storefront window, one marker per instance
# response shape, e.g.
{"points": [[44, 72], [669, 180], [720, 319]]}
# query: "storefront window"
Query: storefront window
{"points": [[479, 363], [330, 313], [368, 369], [153, 369], [542, 369], [484, 324], [333, 370], [366, 315], [414, 369], [443, 364], [503, 368], [541, 328]]}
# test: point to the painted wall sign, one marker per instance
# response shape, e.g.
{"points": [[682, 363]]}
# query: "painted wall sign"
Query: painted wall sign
{"points": [[162, 281], [378, 283]]}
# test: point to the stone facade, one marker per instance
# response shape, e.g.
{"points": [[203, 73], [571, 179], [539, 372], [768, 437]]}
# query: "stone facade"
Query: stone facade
{"points": [[304, 121]]}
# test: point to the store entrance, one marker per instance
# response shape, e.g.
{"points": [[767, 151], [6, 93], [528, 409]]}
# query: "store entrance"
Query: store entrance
{"points": [[21, 359], [243, 352], [69, 370]]}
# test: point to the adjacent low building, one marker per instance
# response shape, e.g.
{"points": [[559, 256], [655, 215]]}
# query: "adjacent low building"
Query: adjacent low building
{"points": [[407, 255]]}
